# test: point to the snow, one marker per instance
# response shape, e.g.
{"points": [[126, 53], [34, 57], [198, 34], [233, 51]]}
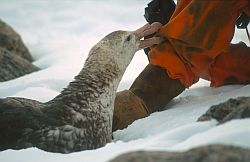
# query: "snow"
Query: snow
{"points": [[59, 34]]}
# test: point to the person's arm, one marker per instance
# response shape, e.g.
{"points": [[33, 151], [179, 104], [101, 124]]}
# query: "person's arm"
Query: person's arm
{"points": [[158, 11]]}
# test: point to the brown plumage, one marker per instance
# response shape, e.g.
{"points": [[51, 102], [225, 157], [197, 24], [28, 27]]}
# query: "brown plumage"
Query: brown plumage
{"points": [[80, 117]]}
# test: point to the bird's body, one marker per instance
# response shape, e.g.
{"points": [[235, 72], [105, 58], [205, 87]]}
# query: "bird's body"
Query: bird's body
{"points": [[80, 117]]}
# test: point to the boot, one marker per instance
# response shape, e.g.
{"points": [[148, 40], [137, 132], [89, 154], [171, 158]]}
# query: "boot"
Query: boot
{"points": [[128, 108], [150, 92]]}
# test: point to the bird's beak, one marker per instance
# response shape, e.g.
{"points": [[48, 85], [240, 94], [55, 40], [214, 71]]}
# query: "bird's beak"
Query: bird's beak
{"points": [[145, 31]]}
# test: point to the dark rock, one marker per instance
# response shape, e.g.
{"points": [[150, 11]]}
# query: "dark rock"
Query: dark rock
{"points": [[13, 66], [12, 41], [212, 153], [238, 108]]}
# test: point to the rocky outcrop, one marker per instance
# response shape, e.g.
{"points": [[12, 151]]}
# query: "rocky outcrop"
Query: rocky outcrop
{"points": [[13, 66], [12, 41], [15, 59], [212, 153], [238, 108]]}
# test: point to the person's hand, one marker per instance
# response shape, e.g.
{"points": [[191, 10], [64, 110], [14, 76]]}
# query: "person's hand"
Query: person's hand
{"points": [[146, 30], [159, 11]]}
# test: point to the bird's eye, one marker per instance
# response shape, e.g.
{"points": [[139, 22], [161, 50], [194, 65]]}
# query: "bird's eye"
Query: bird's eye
{"points": [[128, 38]]}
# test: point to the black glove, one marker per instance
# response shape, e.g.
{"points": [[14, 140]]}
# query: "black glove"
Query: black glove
{"points": [[158, 11], [242, 21]]}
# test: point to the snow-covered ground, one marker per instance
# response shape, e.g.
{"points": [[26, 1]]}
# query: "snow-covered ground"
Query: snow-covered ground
{"points": [[59, 34]]}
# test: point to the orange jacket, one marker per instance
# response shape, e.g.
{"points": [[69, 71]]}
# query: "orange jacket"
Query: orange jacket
{"points": [[198, 33]]}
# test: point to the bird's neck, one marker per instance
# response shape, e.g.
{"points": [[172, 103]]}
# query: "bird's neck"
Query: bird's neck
{"points": [[95, 83]]}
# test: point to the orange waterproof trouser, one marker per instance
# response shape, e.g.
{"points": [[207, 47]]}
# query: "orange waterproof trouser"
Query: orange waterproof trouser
{"points": [[197, 44]]}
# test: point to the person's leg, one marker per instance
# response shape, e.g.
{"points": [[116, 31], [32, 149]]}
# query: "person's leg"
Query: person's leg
{"points": [[194, 37], [156, 88], [150, 92], [231, 66]]}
